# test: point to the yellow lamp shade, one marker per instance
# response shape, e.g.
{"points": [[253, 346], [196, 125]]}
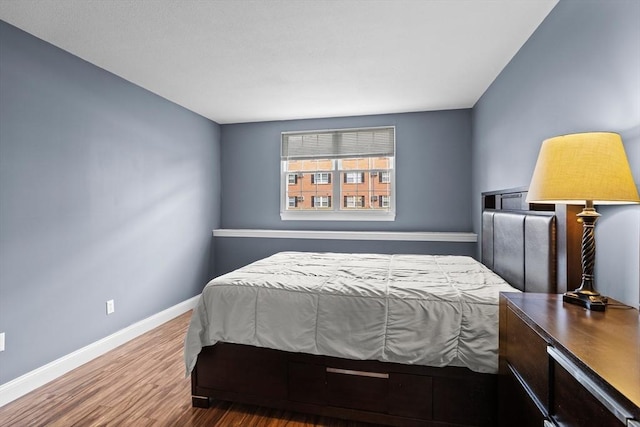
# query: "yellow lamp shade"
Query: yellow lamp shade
{"points": [[572, 169]]}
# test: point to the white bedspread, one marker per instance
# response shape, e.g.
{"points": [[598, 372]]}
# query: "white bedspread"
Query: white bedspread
{"points": [[411, 309]]}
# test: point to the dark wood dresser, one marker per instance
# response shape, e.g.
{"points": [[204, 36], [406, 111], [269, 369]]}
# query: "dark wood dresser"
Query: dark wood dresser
{"points": [[562, 365]]}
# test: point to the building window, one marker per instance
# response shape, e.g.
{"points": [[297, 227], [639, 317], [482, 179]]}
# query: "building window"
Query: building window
{"points": [[292, 202], [353, 201], [362, 161], [353, 177], [321, 178], [321, 201]]}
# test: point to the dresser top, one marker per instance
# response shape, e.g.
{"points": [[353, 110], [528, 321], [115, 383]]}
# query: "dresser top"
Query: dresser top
{"points": [[605, 343]]}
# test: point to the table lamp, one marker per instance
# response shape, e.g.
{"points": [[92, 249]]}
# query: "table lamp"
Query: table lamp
{"points": [[584, 169]]}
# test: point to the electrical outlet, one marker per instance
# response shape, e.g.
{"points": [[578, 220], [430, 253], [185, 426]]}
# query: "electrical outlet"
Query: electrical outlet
{"points": [[110, 307], [2, 341]]}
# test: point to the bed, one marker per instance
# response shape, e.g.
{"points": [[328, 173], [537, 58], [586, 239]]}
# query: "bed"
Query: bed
{"points": [[393, 339]]}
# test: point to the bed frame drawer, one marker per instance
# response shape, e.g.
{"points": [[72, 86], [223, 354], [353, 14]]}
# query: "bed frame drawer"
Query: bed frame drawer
{"points": [[307, 383], [357, 389], [411, 395], [394, 393]]}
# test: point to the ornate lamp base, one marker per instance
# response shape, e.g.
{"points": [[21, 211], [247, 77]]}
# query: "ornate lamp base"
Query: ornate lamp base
{"points": [[590, 302], [586, 295]]}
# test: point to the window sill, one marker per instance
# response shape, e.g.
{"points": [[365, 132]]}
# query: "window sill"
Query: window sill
{"points": [[406, 236]]}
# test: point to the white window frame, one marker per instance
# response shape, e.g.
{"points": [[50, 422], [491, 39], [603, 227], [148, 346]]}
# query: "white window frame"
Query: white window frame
{"points": [[321, 178], [337, 212], [353, 178], [354, 202], [385, 177], [322, 202]]}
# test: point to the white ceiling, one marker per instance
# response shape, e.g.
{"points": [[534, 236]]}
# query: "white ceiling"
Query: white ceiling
{"points": [[251, 60]]}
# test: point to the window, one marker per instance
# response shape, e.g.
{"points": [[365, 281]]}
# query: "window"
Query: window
{"points": [[321, 201], [353, 201], [355, 166], [353, 177], [321, 178]]}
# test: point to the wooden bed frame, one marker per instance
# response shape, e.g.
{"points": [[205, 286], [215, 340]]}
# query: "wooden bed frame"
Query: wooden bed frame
{"points": [[519, 242]]}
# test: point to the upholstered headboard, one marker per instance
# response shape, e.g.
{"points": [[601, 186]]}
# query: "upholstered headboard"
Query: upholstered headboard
{"points": [[520, 244]]}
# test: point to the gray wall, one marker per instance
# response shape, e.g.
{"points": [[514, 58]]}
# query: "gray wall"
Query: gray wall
{"points": [[106, 192], [433, 182], [579, 72]]}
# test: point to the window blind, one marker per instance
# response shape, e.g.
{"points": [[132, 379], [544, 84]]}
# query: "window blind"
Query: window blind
{"points": [[335, 144]]}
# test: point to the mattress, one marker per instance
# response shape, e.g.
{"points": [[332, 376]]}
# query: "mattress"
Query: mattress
{"points": [[412, 309]]}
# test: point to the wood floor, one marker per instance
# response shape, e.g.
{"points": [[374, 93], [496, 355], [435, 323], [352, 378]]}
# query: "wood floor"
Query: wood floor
{"points": [[142, 383]]}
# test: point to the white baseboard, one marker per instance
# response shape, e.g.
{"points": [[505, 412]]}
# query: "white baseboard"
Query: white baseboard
{"points": [[38, 377]]}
